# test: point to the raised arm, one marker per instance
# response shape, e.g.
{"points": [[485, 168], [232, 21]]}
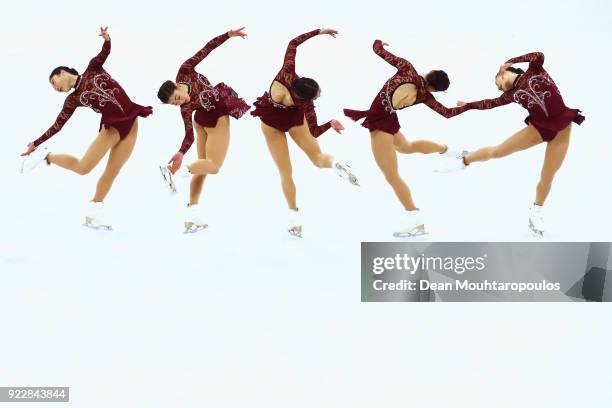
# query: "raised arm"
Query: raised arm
{"points": [[97, 61], [202, 53], [70, 104], [436, 106], [311, 119], [535, 59], [289, 61], [504, 99], [400, 63]]}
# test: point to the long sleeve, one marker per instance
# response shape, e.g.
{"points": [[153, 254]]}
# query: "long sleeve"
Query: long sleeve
{"points": [[443, 110], [311, 119], [535, 59], [203, 53], [504, 99], [97, 61], [188, 139], [70, 104], [289, 61], [400, 63]]}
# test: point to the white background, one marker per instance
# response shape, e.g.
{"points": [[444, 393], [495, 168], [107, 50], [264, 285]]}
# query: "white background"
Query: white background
{"points": [[241, 315]]}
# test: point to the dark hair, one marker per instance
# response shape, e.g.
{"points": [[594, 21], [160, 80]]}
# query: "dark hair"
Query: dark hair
{"points": [[165, 91], [516, 70], [438, 80], [305, 88], [59, 70]]}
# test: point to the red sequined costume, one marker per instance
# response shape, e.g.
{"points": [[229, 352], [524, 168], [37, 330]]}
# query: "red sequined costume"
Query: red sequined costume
{"points": [[536, 91], [283, 117], [208, 102], [96, 89], [382, 114]]}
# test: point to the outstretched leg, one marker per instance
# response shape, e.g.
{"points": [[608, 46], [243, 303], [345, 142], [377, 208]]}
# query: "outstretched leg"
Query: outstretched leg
{"points": [[106, 139], [119, 154], [555, 154], [386, 158], [277, 144], [402, 145], [217, 144], [523, 139], [303, 138], [197, 180]]}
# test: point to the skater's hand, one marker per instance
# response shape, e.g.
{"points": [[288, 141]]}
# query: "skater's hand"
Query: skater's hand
{"points": [[175, 162], [104, 33], [503, 68], [31, 148], [237, 33], [461, 103], [329, 31], [337, 126]]}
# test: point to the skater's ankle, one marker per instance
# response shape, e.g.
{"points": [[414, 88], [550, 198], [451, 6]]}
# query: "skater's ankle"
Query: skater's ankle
{"points": [[47, 159], [444, 150]]}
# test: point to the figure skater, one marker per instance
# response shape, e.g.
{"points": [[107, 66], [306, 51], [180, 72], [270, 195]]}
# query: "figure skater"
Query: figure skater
{"points": [[96, 89], [288, 108], [405, 88], [213, 105], [549, 121]]}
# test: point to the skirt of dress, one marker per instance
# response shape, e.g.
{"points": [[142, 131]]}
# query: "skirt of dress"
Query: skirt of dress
{"points": [[124, 124], [549, 127], [277, 116], [227, 102], [383, 121]]}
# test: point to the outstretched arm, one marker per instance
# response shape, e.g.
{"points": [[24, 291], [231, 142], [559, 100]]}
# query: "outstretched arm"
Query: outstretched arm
{"points": [[70, 104], [436, 106], [203, 52], [311, 119], [97, 61], [188, 139], [535, 59], [289, 60], [400, 63], [504, 99]]}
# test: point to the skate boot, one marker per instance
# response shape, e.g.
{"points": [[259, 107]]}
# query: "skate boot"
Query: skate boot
{"points": [[168, 178], [453, 153], [35, 158], [295, 223], [536, 220], [414, 226], [344, 170], [454, 161], [193, 221], [95, 218]]}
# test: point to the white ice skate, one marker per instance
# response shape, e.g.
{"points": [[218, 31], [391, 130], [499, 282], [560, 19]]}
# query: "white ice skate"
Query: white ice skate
{"points": [[453, 153], [95, 218], [414, 226], [344, 170], [168, 177], [193, 220], [295, 223], [34, 159], [453, 161], [536, 220]]}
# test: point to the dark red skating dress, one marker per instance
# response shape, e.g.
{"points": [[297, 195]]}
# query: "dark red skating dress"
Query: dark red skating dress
{"points": [[536, 91], [208, 102], [382, 114], [283, 117], [96, 89]]}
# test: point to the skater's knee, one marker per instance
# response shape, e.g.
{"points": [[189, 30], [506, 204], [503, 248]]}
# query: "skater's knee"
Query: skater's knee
{"points": [[82, 169], [215, 168]]}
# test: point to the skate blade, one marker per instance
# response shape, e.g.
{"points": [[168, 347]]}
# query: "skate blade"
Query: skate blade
{"points": [[295, 232], [538, 233], [415, 232], [89, 223], [167, 176], [191, 228]]}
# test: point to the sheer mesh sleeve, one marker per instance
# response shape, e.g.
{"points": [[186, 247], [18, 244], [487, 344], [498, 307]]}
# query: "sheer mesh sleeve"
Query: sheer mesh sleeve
{"points": [[188, 139], [97, 61], [535, 59], [443, 110], [70, 104], [203, 53], [311, 119], [504, 99], [289, 61], [400, 63]]}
